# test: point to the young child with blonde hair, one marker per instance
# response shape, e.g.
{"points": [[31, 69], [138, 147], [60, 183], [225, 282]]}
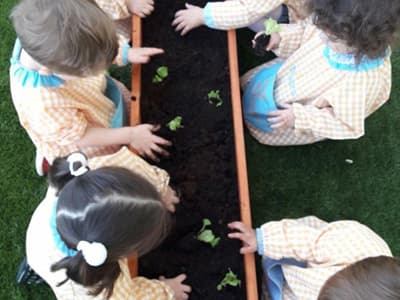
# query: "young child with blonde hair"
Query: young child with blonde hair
{"points": [[310, 259], [60, 91], [332, 71], [96, 214]]}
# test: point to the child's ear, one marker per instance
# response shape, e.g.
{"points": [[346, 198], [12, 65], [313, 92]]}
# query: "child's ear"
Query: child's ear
{"points": [[44, 70]]}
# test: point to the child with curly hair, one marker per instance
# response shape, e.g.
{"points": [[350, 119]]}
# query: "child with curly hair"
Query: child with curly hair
{"points": [[96, 214], [332, 71], [310, 259], [62, 96]]}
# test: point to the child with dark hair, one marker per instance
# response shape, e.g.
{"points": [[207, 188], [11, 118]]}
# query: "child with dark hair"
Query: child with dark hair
{"points": [[310, 259], [95, 215], [233, 14], [332, 71], [60, 91]]}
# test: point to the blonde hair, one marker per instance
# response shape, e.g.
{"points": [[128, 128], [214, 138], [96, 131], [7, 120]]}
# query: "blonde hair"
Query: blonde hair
{"points": [[72, 37], [373, 278]]}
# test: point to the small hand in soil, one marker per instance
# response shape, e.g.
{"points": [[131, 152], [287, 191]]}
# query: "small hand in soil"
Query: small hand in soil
{"points": [[142, 8], [142, 55], [170, 199], [188, 19], [263, 43], [246, 234], [181, 291], [146, 143]]}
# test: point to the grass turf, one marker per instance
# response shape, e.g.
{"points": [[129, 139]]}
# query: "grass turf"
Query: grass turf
{"points": [[284, 182]]}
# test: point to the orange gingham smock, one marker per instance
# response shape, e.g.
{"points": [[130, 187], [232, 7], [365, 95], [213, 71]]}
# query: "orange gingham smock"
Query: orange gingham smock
{"points": [[326, 247], [241, 13], [328, 103], [42, 251]]}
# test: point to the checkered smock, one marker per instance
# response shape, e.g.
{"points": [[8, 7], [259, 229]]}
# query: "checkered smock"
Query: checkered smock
{"points": [[326, 248], [42, 251], [241, 13], [330, 96]]}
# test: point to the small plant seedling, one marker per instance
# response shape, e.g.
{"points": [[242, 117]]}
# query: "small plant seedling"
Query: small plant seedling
{"points": [[262, 40], [206, 235], [161, 74], [229, 279], [175, 123], [215, 98]]}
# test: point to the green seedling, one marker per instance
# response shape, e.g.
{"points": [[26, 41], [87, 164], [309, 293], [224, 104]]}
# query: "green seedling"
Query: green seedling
{"points": [[175, 124], [215, 98], [206, 235], [161, 74], [271, 26], [229, 279]]}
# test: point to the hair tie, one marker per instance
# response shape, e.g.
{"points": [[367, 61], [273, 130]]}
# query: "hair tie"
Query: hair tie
{"points": [[95, 254], [78, 157]]}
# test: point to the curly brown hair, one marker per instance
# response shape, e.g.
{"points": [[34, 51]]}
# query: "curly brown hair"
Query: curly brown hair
{"points": [[367, 26]]}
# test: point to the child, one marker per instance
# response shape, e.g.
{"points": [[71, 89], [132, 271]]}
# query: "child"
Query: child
{"points": [[59, 89], [311, 259], [238, 13], [92, 219], [328, 77]]}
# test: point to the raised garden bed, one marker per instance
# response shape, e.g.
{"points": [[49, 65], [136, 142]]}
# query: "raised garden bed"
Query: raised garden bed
{"points": [[207, 158]]}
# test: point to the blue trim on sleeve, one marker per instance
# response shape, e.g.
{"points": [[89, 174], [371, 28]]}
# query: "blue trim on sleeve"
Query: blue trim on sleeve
{"points": [[347, 62], [27, 77], [260, 244], [124, 54], [60, 244], [207, 15]]}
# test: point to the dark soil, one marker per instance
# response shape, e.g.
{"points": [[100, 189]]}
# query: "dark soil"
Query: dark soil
{"points": [[202, 163], [261, 43]]}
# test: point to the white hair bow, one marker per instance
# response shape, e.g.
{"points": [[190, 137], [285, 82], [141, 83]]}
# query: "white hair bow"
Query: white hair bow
{"points": [[95, 254], [78, 157]]}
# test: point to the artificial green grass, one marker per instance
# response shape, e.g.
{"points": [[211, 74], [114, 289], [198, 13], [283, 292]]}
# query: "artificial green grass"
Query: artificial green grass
{"points": [[284, 182]]}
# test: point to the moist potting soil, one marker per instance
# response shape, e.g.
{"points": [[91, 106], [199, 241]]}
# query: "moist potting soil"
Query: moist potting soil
{"points": [[202, 163]]}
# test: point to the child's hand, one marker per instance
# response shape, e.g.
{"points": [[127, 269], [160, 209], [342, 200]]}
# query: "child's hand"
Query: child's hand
{"points": [[188, 19], [181, 291], [282, 118], [142, 8], [142, 55], [246, 234], [146, 143], [274, 41], [170, 199]]}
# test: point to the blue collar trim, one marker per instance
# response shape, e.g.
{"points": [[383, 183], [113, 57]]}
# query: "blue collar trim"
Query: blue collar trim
{"points": [[27, 77], [347, 62], [56, 236]]}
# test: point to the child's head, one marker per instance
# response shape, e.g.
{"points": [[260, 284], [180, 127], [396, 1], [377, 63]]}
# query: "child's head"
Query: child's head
{"points": [[372, 278], [110, 206], [365, 26], [68, 37]]}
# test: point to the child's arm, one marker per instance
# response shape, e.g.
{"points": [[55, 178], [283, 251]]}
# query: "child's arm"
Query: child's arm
{"points": [[141, 137], [223, 15], [121, 9]]}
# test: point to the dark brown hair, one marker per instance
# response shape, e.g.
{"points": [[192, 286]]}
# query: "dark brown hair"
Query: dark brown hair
{"points": [[373, 278], [109, 205], [367, 26], [69, 37]]}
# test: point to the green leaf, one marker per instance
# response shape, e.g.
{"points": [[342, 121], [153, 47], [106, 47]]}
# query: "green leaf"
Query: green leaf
{"points": [[271, 26], [214, 97], [157, 79], [215, 241], [175, 124], [162, 72], [229, 279], [206, 222], [206, 236]]}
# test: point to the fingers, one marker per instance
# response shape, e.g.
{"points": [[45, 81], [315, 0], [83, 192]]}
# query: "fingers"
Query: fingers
{"points": [[239, 226], [181, 277], [236, 235], [150, 51], [245, 250]]}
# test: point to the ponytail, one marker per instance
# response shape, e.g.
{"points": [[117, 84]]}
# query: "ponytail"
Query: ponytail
{"points": [[97, 278]]}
